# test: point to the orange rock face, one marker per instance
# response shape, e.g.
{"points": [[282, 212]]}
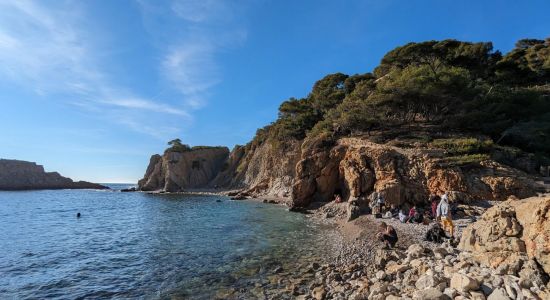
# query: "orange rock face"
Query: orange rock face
{"points": [[511, 232], [355, 168]]}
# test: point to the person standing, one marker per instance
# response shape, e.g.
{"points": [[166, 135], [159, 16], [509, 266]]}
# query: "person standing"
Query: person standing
{"points": [[434, 206], [380, 201], [444, 214]]}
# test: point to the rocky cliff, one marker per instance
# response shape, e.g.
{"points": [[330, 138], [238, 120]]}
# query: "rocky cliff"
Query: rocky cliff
{"points": [[24, 175], [177, 171], [357, 167], [405, 130], [262, 170], [353, 167]]}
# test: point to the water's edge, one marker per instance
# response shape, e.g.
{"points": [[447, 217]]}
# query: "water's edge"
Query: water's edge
{"points": [[137, 245]]}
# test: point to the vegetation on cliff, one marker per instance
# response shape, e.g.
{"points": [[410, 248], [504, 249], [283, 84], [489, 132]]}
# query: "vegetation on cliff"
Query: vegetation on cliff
{"points": [[445, 86], [177, 146]]}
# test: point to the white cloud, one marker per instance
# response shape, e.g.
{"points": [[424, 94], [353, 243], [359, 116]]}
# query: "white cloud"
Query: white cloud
{"points": [[207, 28], [49, 51], [192, 70], [136, 103], [160, 132]]}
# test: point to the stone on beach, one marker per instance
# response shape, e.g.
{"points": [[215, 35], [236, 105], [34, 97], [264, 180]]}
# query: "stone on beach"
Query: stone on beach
{"points": [[430, 294], [464, 283]]}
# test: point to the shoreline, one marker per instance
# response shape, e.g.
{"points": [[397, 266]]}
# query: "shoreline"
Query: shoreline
{"points": [[357, 267], [354, 264]]}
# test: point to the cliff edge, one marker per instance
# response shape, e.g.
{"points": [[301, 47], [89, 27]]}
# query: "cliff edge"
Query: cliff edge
{"points": [[178, 170], [24, 175]]}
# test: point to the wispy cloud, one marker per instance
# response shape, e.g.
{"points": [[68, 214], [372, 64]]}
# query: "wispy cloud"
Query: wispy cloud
{"points": [[36, 48], [192, 70], [49, 50], [189, 60], [135, 103]]}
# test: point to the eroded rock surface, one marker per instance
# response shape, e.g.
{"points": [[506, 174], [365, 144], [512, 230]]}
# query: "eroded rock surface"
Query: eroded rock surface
{"points": [[355, 168], [178, 171], [510, 234]]}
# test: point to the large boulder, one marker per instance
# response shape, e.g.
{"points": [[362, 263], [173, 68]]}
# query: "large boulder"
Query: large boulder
{"points": [[511, 233], [464, 283], [353, 210]]}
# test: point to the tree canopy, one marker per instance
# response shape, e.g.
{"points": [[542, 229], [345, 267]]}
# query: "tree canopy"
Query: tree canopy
{"points": [[449, 84]]}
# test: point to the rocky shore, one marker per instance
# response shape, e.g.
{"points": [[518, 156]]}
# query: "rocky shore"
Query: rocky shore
{"points": [[356, 267], [305, 176]]}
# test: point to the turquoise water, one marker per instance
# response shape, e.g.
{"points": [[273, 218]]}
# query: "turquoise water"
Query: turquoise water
{"points": [[135, 245]]}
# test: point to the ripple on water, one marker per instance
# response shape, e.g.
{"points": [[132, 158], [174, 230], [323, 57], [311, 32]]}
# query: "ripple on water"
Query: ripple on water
{"points": [[134, 245]]}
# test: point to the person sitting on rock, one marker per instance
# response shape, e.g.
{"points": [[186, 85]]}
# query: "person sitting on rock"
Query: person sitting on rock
{"points": [[434, 204], [418, 217], [394, 211], [402, 216], [337, 198], [435, 233], [426, 218], [444, 214], [388, 235], [380, 202], [412, 212]]}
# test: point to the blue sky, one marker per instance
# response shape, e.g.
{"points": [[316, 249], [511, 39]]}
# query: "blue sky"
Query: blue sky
{"points": [[92, 88]]}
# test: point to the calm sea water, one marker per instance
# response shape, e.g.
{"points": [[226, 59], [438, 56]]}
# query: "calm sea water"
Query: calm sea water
{"points": [[135, 245]]}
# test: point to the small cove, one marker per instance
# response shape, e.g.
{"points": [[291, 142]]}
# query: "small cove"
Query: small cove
{"points": [[135, 245]]}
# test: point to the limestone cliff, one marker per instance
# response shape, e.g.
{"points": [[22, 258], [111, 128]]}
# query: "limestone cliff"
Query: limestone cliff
{"points": [[353, 167], [262, 170], [24, 175], [176, 171], [357, 167]]}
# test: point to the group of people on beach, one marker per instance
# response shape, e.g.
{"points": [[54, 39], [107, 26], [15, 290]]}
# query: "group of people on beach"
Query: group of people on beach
{"points": [[440, 212]]}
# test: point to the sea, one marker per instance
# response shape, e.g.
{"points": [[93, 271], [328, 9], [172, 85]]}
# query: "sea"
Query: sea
{"points": [[133, 245]]}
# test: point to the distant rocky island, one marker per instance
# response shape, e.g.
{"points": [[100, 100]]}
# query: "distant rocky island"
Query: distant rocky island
{"points": [[25, 175]]}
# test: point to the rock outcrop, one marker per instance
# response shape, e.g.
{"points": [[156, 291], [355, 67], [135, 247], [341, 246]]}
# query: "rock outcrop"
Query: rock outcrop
{"points": [[511, 234], [24, 175], [355, 168], [180, 171], [262, 170]]}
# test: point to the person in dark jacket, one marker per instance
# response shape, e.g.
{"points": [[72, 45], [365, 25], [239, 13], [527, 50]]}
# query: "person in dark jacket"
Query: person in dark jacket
{"points": [[436, 233], [388, 235]]}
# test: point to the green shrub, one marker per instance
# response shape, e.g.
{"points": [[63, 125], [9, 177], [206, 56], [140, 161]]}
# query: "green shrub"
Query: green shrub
{"points": [[458, 146], [466, 159]]}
